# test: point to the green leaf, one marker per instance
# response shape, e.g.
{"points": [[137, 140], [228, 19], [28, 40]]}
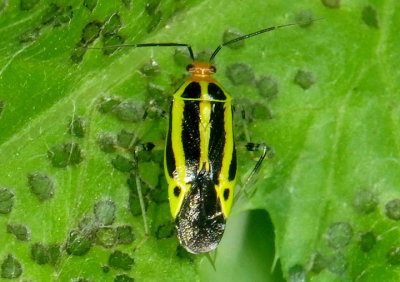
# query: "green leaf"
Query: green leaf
{"points": [[324, 95]]}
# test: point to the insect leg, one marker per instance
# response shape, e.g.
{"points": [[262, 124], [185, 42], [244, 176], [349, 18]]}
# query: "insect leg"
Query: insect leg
{"points": [[137, 149], [266, 152], [251, 147], [138, 181]]}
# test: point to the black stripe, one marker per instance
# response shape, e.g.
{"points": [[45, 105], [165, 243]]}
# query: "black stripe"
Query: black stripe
{"points": [[215, 92], [191, 134], [233, 165], [217, 139], [192, 91], [169, 154]]}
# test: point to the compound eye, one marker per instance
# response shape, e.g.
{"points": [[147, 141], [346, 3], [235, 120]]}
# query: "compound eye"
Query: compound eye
{"points": [[213, 69], [190, 68]]}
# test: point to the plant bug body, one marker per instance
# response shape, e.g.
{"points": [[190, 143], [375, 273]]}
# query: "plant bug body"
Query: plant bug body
{"points": [[200, 156], [200, 159]]}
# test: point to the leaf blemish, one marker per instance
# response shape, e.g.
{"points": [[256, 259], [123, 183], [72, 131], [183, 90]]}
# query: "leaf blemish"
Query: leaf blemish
{"points": [[107, 142], [6, 200], [339, 234], [41, 185], [27, 5], [90, 4], [2, 105], [62, 155], [120, 260], [11, 267], [304, 79], [370, 17], [267, 87], [333, 4], [393, 209], [365, 202], [240, 73], [91, 32], [104, 212], [20, 231], [393, 256], [77, 127], [367, 241]]}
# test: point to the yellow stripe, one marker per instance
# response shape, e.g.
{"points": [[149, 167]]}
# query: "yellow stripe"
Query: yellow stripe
{"points": [[228, 149], [177, 148], [224, 182], [176, 137], [204, 126]]}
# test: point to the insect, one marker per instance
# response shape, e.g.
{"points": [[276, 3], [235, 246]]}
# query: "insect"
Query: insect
{"points": [[200, 156]]}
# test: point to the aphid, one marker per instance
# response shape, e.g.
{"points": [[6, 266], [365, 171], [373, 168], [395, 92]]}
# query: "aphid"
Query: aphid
{"points": [[200, 156]]}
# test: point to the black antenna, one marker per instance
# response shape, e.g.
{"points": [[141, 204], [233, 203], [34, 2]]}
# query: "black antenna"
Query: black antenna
{"points": [[150, 45], [257, 33]]}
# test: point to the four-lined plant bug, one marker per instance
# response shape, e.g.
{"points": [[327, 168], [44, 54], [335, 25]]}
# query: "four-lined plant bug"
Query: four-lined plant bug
{"points": [[200, 156]]}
